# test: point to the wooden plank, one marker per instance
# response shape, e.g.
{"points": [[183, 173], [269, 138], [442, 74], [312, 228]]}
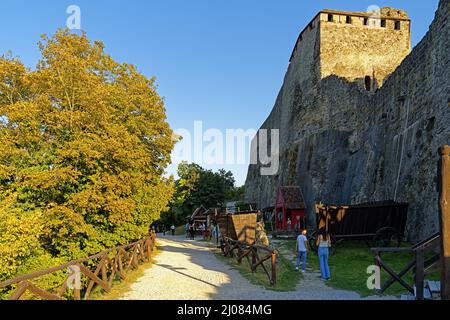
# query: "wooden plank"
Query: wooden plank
{"points": [[420, 275], [149, 250], [119, 261], [258, 263], [63, 287], [20, 290], [88, 273], [104, 272], [244, 254], [392, 273], [113, 273], [274, 268], [444, 209], [42, 293], [404, 271], [262, 263], [92, 282], [131, 258], [381, 250]]}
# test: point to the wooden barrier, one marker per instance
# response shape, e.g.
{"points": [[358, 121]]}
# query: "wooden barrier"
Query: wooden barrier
{"points": [[394, 276], [444, 208], [240, 250], [98, 270]]}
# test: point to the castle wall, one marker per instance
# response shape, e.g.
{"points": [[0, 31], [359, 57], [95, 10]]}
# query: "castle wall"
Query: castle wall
{"points": [[342, 144], [413, 118], [302, 72]]}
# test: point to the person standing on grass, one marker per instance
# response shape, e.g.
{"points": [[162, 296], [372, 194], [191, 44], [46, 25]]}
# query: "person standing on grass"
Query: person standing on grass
{"points": [[301, 247], [323, 245]]}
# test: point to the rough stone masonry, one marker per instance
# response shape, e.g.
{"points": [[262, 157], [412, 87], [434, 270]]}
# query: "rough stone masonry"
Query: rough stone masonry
{"points": [[361, 117]]}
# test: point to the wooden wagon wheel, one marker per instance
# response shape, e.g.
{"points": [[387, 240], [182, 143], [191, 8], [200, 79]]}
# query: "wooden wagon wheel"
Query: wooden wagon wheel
{"points": [[223, 247], [313, 245], [312, 241], [334, 244], [386, 237]]}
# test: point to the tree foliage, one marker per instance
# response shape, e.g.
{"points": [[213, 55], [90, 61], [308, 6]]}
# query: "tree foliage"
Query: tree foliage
{"points": [[84, 143], [196, 187]]}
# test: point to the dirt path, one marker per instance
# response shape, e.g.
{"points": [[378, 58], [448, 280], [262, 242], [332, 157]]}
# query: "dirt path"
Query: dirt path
{"points": [[189, 270]]}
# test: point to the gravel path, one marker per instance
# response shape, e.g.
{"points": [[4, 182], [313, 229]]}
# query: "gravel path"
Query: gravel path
{"points": [[189, 270]]}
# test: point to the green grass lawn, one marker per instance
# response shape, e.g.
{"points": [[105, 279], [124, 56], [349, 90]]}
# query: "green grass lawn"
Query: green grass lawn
{"points": [[287, 277], [349, 267]]}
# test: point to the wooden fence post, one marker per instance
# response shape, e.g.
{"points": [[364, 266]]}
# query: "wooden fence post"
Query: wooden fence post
{"points": [[444, 208], [253, 258], [274, 267], [419, 277], [149, 250]]}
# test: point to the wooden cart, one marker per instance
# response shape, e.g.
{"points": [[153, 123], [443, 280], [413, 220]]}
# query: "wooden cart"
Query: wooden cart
{"points": [[239, 226], [380, 224]]}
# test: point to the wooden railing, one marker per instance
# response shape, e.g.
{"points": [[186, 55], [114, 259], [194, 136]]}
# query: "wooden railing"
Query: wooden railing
{"points": [[437, 246], [425, 261], [83, 275], [240, 250], [394, 276]]}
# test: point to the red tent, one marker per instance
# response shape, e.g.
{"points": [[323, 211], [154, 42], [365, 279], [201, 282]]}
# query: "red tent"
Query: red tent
{"points": [[289, 207]]}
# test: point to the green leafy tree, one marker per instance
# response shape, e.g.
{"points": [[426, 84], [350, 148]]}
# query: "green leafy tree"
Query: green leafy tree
{"points": [[199, 187]]}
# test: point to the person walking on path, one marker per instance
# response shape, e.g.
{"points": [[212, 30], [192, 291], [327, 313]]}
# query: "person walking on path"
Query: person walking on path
{"points": [[186, 229], [172, 228], [324, 244], [301, 247], [289, 224], [192, 231]]}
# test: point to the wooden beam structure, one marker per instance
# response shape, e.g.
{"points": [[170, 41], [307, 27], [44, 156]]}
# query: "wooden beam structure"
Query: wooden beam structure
{"points": [[444, 208], [108, 265]]}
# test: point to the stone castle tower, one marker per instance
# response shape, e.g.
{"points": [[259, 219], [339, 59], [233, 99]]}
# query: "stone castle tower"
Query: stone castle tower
{"points": [[361, 116], [358, 46]]}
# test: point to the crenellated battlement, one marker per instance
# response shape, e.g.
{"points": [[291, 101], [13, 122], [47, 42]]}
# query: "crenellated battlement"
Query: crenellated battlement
{"points": [[358, 46]]}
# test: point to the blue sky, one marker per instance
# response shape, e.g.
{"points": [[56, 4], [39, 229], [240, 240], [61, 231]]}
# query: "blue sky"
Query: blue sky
{"points": [[221, 62]]}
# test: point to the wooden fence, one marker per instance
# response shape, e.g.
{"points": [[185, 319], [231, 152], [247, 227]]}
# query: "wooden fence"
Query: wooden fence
{"points": [[437, 246], [251, 252], [425, 260], [84, 275]]}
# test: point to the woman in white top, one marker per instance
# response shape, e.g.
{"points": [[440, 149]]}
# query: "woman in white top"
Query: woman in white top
{"points": [[324, 244]]}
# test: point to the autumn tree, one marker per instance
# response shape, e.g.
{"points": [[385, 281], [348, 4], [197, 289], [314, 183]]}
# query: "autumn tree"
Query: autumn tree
{"points": [[84, 143]]}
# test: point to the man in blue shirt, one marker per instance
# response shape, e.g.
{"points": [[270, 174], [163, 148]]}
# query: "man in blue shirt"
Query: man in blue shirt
{"points": [[302, 250]]}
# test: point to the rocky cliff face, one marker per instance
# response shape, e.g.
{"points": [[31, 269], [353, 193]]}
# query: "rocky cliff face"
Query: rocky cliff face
{"points": [[343, 144]]}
